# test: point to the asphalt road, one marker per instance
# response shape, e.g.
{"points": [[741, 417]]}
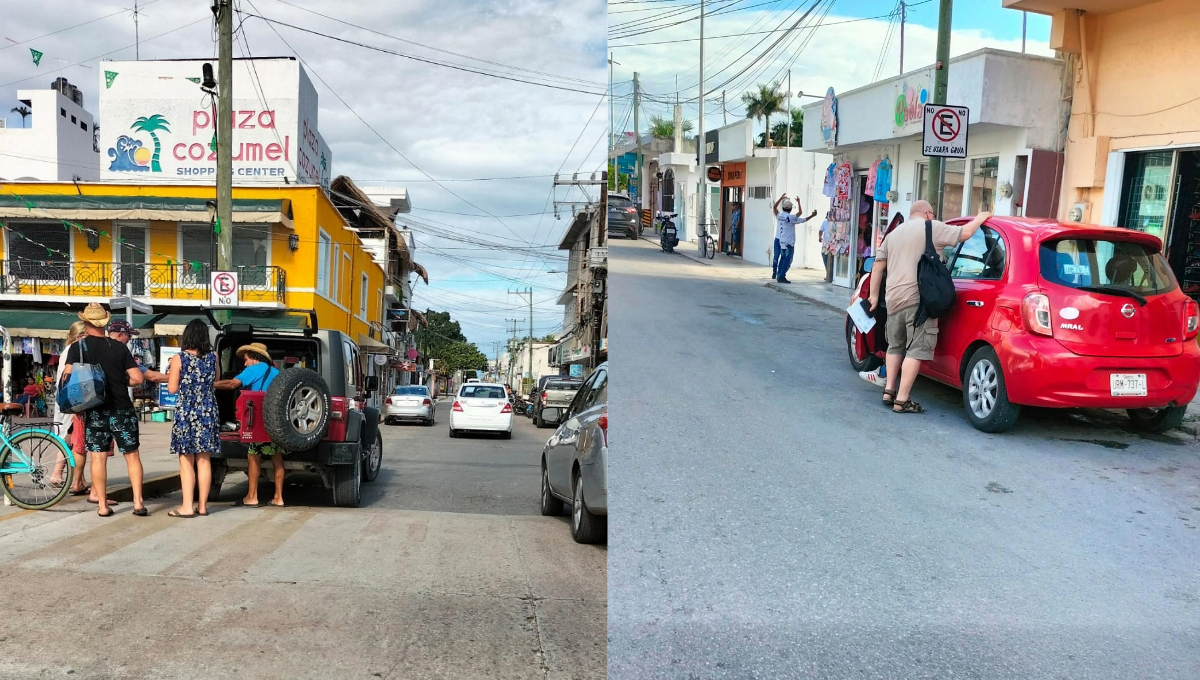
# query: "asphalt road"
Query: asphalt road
{"points": [[446, 571], [772, 520]]}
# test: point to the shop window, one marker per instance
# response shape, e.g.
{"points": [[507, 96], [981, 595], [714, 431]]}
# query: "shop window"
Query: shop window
{"points": [[362, 297], [323, 249], [250, 242], [983, 184], [760, 192], [952, 193], [1144, 191], [334, 264], [39, 251], [195, 248]]}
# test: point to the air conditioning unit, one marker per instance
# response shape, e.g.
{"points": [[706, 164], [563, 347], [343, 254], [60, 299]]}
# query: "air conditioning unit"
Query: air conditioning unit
{"points": [[598, 257]]}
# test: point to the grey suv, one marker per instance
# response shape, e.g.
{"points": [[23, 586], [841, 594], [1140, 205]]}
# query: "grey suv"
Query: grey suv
{"points": [[622, 217], [575, 461]]}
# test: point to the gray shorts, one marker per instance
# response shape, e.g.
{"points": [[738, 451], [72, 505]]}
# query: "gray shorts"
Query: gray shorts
{"points": [[907, 341]]}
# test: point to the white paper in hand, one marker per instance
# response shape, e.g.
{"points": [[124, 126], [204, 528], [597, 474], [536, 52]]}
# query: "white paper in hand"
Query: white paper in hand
{"points": [[862, 321]]}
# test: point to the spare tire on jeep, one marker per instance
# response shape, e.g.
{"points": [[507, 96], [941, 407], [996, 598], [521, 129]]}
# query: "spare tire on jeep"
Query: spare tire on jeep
{"points": [[296, 409]]}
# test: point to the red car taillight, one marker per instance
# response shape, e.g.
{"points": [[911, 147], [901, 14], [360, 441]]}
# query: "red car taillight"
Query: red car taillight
{"points": [[457, 407], [631, 210], [544, 400], [427, 402], [507, 408], [1191, 322], [603, 422], [1036, 311], [389, 401]]}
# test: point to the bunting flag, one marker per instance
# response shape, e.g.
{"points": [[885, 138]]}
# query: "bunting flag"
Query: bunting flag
{"points": [[109, 77], [37, 57]]}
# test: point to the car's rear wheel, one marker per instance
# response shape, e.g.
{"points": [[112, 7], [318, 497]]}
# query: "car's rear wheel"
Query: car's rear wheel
{"points": [[860, 359], [453, 433], [347, 484], [586, 527], [373, 459], [551, 506], [1157, 419], [985, 396], [219, 470], [506, 435], [296, 409]]}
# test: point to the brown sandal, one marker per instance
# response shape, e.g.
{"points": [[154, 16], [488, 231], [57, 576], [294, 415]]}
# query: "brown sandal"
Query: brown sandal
{"points": [[909, 406], [889, 397]]}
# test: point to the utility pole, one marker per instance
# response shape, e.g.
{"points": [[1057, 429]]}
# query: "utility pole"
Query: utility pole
{"points": [[789, 120], [724, 110], [224, 224], [937, 167], [1024, 19], [903, 16], [137, 40], [637, 137], [611, 132], [702, 140], [523, 293]]}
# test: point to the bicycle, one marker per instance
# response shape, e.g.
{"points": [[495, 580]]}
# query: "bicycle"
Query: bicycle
{"points": [[31, 458]]}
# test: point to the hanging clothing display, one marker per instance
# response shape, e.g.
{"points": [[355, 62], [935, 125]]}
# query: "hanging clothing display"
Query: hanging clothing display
{"points": [[841, 180], [883, 181], [870, 188], [828, 189]]}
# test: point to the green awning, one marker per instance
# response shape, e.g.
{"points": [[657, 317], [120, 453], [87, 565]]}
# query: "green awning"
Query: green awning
{"points": [[170, 208], [53, 325]]}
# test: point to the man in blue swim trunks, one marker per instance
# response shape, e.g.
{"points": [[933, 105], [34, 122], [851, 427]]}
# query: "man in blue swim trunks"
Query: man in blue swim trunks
{"points": [[257, 377]]}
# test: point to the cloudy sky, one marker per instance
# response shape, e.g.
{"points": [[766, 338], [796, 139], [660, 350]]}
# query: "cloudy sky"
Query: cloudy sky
{"points": [[838, 45], [452, 124]]}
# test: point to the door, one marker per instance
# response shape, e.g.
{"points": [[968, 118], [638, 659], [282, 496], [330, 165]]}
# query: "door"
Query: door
{"points": [[560, 452], [846, 261], [131, 258], [978, 269]]}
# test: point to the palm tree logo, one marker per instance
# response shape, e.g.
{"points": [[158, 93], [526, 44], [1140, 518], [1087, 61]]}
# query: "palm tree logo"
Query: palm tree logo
{"points": [[152, 124]]}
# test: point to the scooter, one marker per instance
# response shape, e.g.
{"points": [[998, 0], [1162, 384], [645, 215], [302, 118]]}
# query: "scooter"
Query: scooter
{"points": [[667, 238]]}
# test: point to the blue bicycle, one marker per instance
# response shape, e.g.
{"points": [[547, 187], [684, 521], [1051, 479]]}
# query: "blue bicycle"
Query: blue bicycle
{"points": [[36, 466]]}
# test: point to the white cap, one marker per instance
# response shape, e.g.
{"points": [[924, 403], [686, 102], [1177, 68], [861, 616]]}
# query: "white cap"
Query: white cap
{"points": [[787, 204]]}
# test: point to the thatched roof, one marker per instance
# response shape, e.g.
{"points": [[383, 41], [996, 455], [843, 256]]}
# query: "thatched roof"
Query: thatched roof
{"points": [[416, 320], [421, 272]]}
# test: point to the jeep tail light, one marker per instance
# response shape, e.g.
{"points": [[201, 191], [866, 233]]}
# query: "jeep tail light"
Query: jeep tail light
{"points": [[1191, 323], [603, 423], [457, 407], [1036, 311], [507, 408]]}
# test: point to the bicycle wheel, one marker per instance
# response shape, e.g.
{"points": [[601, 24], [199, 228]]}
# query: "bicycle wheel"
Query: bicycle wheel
{"points": [[26, 479], [712, 247]]}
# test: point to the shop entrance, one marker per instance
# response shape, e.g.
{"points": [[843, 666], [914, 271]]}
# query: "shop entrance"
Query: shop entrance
{"points": [[733, 231], [852, 234], [1183, 248], [1160, 195]]}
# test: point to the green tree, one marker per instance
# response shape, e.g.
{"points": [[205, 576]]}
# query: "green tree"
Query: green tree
{"points": [[152, 124], [463, 356], [779, 131], [23, 112], [663, 127], [764, 103]]}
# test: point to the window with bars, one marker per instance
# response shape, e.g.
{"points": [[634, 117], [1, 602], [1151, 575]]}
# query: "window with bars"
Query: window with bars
{"points": [[39, 250], [760, 192], [1144, 191]]}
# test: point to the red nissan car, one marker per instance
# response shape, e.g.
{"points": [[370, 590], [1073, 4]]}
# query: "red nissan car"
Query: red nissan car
{"points": [[1059, 315]]}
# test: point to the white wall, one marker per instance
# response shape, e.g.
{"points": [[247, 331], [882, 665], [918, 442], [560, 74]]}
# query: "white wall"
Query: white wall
{"points": [[51, 147], [790, 171]]}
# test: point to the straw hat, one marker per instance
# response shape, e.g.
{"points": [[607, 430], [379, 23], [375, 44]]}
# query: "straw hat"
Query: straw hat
{"points": [[95, 315], [256, 347]]}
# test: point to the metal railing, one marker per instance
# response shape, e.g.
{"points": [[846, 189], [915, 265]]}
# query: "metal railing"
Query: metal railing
{"points": [[156, 281]]}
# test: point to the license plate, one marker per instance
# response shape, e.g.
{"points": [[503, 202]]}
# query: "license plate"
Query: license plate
{"points": [[1128, 384]]}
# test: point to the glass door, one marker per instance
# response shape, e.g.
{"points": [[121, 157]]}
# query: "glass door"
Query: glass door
{"points": [[132, 269]]}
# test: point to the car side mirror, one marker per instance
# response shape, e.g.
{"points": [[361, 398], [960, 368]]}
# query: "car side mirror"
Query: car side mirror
{"points": [[372, 383], [553, 420], [868, 264]]}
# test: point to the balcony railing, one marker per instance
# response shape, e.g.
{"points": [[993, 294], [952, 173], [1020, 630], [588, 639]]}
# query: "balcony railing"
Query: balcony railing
{"points": [[155, 281]]}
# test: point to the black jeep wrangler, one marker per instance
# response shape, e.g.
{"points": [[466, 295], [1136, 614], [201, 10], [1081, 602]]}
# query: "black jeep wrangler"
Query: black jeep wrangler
{"points": [[315, 408]]}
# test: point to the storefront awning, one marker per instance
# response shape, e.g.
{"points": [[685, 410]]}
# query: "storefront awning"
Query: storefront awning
{"points": [[370, 345], [173, 324], [53, 325], [174, 208]]}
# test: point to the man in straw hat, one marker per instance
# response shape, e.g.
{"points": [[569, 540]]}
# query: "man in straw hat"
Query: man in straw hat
{"points": [[115, 419], [257, 377]]}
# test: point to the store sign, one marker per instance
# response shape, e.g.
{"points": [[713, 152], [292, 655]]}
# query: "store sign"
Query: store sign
{"points": [[829, 121], [945, 131], [912, 94], [733, 175], [626, 163], [712, 146], [714, 173]]}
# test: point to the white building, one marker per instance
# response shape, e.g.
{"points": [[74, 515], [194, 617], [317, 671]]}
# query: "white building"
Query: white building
{"points": [[1018, 106], [159, 127], [55, 144]]}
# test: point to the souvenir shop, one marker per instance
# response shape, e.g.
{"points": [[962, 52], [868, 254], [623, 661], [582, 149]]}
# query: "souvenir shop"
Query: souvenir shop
{"points": [[858, 214]]}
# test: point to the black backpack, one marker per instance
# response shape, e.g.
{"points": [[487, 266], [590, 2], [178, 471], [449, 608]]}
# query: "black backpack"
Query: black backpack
{"points": [[933, 282]]}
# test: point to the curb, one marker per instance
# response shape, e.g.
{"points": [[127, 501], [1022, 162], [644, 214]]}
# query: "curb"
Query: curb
{"points": [[151, 488], [802, 296]]}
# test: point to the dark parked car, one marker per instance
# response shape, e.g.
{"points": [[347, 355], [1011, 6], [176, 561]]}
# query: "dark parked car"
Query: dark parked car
{"points": [[623, 217]]}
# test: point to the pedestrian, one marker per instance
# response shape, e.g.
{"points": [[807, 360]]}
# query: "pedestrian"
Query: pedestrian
{"points": [[825, 238], [114, 419], [123, 332], [194, 437], [69, 426], [735, 229], [29, 396], [898, 255], [785, 237], [257, 376]]}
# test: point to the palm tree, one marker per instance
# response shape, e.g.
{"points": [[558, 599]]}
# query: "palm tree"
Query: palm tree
{"points": [[661, 126], [762, 104], [23, 112], [152, 125], [779, 132]]}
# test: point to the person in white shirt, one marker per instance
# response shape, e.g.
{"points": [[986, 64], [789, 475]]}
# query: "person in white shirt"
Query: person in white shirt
{"points": [[785, 237]]}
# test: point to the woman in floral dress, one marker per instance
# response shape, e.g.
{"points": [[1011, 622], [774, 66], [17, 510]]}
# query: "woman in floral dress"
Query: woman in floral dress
{"points": [[191, 375]]}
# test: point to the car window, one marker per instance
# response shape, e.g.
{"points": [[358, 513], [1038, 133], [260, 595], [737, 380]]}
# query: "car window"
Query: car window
{"points": [[483, 392], [412, 391], [580, 396], [982, 256], [348, 357], [598, 394], [1086, 263], [563, 384], [619, 202]]}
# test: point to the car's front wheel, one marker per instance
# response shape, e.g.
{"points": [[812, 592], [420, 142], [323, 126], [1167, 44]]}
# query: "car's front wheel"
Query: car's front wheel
{"points": [[1157, 420], [985, 396], [551, 506]]}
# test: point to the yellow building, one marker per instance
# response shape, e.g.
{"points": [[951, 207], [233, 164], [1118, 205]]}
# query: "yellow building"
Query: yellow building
{"points": [[66, 244], [1133, 142]]}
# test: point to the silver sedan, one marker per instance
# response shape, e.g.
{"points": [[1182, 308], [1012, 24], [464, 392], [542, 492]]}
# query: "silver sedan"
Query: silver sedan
{"points": [[410, 402], [575, 461]]}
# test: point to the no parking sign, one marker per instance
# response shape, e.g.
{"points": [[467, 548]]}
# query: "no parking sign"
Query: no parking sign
{"points": [[223, 288], [945, 131]]}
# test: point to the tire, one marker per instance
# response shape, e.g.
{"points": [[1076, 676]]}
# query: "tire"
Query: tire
{"points": [[347, 483], [31, 489], [712, 248], [586, 527], [551, 506], [453, 433], [296, 409], [537, 421], [373, 459], [985, 396], [219, 470], [867, 363], [1157, 420], [506, 435]]}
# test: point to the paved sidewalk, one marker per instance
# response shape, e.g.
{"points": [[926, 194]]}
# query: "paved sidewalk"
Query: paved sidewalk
{"points": [[161, 469]]}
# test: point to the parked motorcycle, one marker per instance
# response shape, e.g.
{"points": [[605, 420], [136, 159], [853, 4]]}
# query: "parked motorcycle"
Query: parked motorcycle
{"points": [[667, 238]]}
